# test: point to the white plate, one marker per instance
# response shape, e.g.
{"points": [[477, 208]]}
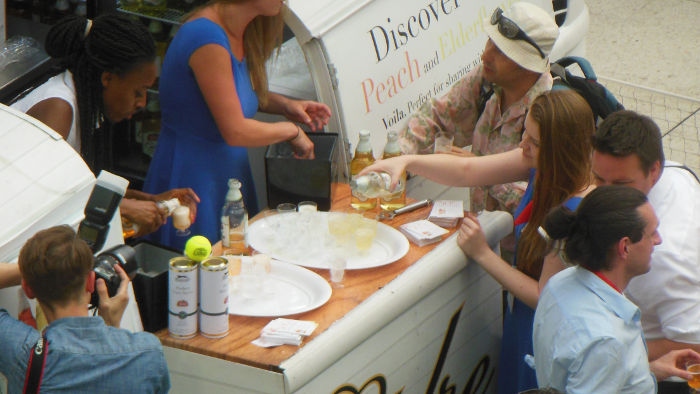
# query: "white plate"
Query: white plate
{"points": [[313, 250], [286, 290]]}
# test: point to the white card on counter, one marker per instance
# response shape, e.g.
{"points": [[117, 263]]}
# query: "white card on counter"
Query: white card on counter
{"points": [[447, 209], [291, 326]]}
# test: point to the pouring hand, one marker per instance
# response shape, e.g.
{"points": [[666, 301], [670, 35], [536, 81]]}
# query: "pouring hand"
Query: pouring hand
{"points": [[395, 167]]}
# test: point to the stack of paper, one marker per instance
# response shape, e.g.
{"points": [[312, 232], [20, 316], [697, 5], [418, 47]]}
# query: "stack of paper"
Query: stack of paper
{"points": [[285, 332], [422, 232], [446, 213]]}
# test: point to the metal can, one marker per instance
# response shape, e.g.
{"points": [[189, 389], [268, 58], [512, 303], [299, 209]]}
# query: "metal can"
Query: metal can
{"points": [[213, 297], [182, 298]]}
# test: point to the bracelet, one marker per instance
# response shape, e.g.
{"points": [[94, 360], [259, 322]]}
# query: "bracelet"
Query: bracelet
{"points": [[298, 133]]}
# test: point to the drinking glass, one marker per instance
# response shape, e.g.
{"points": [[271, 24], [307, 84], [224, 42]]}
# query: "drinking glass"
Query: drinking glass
{"points": [[693, 367], [181, 220], [286, 230], [337, 265], [366, 231], [443, 142], [286, 207], [307, 206]]}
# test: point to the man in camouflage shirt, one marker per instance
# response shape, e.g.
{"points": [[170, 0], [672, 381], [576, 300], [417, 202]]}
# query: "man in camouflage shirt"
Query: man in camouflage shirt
{"points": [[517, 69]]}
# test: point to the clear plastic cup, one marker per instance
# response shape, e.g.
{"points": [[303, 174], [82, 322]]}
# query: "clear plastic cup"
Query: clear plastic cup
{"points": [[337, 265]]}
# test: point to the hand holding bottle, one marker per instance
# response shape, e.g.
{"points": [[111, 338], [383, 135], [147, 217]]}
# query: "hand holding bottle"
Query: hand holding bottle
{"points": [[186, 196], [395, 167]]}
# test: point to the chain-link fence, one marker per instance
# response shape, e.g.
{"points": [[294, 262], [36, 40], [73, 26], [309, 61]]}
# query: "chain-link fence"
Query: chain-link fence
{"points": [[678, 118]]}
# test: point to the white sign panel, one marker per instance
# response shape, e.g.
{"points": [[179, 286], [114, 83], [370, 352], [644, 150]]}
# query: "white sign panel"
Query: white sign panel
{"points": [[392, 57]]}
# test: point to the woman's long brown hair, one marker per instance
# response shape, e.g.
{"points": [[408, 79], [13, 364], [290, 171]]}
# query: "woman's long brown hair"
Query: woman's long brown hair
{"points": [[563, 166], [260, 40]]}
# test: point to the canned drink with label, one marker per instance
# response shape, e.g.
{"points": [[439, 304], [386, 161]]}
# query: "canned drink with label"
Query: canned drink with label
{"points": [[213, 297], [182, 298]]}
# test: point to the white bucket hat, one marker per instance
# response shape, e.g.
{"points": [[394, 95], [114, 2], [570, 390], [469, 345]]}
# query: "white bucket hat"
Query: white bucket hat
{"points": [[537, 24]]}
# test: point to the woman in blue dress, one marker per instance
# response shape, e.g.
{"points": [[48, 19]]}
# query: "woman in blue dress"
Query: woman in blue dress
{"points": [[555, 157], [212, 83]]}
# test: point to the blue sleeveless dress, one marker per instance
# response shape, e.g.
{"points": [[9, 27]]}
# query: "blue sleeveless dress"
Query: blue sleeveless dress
{"points": [[191, 151], [514, 375]]}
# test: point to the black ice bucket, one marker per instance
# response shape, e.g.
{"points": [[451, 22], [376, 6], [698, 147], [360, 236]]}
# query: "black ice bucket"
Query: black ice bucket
{"points": [[151, 284], [294, 180]]}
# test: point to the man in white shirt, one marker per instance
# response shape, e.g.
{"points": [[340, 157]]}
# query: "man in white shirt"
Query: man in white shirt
{"points": [[628, 151]]}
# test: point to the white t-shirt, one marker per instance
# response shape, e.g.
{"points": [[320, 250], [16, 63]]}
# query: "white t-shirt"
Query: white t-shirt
{"points": [[669, 294], [59, 86]]}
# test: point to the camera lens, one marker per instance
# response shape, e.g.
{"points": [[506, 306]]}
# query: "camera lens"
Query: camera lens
{"points": [[104, 268]]}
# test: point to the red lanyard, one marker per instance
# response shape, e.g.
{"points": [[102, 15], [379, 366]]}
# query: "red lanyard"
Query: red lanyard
{"points": [[606, 280], [525, 214]]}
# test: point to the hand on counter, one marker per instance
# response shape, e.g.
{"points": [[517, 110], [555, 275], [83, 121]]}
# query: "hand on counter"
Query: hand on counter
{"points": [[471, 238]]}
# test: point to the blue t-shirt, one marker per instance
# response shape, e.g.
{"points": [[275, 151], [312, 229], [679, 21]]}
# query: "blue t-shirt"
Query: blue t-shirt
{"points": [[84, 356], [191, 151]]}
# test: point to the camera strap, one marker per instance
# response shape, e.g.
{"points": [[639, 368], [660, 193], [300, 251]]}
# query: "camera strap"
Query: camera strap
{"points": [[35, 369]]}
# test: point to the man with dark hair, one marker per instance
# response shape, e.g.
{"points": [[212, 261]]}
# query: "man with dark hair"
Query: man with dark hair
{"points": [[628, 151], [83, 354], [515, 68], [587, 335]]}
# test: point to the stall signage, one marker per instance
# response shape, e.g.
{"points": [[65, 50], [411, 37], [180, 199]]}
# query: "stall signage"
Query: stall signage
{"points": [[479, 379], [391, 59]]}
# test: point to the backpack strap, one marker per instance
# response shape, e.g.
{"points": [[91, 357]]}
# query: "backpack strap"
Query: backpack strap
{"points": [[35, 369], [485, 92], [583, 64]]}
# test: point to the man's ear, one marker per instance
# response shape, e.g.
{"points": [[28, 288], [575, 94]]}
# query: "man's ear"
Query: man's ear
{"points": [[28, 290], [90, 283], [655, 171], [106, 78], [622, 247]]}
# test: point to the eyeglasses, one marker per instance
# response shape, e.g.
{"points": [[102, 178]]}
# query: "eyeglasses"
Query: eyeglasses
{"points": [[511, 30]]}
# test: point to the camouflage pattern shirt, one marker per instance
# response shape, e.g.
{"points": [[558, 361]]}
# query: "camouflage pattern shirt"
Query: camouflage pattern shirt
{"points": [[492, 132]]}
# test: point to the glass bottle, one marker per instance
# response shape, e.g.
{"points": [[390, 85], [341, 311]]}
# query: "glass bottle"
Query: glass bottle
{"points": [[234, 221], [129, 228], [395, 200], [375, 184], [363, 157]]}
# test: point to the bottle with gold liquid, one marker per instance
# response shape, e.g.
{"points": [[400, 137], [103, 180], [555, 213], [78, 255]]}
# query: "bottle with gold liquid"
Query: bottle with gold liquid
{"points": [[398, 199], [234, 221], [363, 157]]}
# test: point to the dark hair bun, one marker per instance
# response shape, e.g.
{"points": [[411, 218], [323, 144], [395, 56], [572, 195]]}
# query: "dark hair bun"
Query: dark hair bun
{"points": [[65, 38], [558, 222]]}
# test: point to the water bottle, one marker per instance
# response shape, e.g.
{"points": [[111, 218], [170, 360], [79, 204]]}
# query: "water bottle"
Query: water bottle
{"points": [[234, 221], [375, 184], [395, 200]]}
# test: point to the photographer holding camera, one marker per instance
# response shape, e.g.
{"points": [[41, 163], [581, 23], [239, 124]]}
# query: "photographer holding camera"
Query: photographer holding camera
{"points": [[76, 352]]}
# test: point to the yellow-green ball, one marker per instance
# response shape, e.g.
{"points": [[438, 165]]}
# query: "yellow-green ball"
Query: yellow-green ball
{"points": [[198, 248]]}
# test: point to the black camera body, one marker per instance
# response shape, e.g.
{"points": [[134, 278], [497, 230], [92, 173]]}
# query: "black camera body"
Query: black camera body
{"points": [[104, 267]]}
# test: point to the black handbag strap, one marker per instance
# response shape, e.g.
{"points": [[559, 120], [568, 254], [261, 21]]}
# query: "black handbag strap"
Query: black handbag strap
{"points": [[35, 369]]}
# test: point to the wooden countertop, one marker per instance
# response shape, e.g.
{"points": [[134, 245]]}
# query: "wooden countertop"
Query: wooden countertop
{"points": [[358, 286]]}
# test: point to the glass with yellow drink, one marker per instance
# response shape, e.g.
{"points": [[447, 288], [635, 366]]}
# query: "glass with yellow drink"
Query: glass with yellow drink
{"points": [[693, 368]]}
